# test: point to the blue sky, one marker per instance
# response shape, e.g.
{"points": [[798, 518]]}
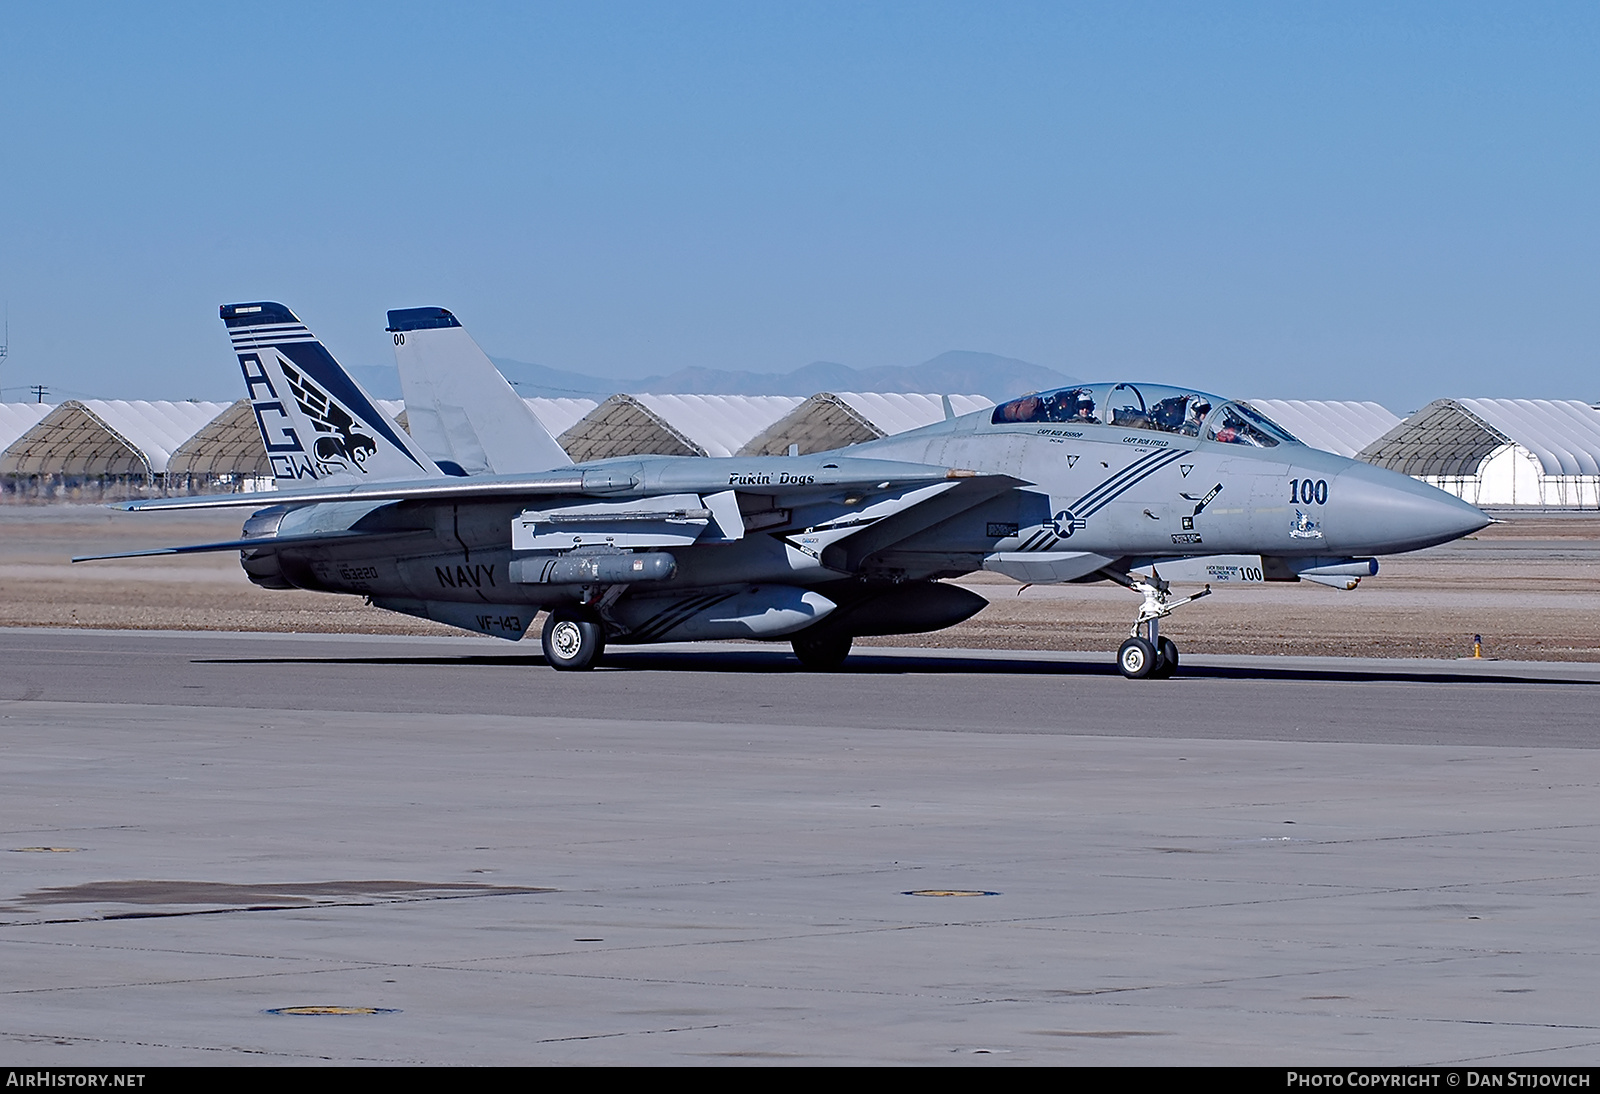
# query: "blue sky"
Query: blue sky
{"points": [[1393, 202]]}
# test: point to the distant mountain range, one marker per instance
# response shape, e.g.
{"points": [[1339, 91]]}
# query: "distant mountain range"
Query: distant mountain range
{"points": [[956, 372]]}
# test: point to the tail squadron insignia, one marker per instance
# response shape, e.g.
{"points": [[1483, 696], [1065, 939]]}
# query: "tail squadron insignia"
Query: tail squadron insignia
{"points": [[338, 441]]}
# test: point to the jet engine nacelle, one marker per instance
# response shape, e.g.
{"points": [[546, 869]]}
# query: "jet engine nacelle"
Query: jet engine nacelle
{"points": [[263, 568]]}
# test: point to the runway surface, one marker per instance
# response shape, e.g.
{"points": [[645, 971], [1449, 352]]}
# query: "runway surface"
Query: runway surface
{"points": [[705, 855]]}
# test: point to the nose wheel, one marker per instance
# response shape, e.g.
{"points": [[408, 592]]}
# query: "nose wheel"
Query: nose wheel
{"points": [[1136, 659], [1150, 655], [1167, 653], [1139, 659]]}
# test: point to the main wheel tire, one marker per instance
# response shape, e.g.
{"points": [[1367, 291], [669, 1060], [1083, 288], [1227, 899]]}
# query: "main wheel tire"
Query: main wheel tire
{"points": [[572, 642], [1166, 659], [1136, 659], [821, 653]]}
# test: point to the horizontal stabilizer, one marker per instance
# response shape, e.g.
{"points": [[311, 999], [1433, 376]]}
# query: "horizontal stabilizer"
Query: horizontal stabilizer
{"points": [[309, 540], [448, 488]]}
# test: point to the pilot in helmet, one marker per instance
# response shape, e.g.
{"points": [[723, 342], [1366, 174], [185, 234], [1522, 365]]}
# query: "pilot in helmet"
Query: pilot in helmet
{"points": [[1060, 407]]}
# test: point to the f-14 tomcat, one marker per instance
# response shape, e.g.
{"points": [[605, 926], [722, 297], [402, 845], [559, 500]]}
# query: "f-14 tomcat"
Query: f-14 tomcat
{"points": [[478, 519]]}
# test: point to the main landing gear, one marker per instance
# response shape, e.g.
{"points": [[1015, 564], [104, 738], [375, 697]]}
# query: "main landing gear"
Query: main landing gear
{"points": [[821, 653], [572, 642], [1150, 655]]}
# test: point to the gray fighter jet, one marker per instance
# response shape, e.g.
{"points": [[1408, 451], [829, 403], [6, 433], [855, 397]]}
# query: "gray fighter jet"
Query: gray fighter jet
{"points": [[476, 517]]}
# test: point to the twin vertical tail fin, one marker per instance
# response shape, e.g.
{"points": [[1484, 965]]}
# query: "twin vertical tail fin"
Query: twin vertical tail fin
{"points": [[317, 423], [460, 409]]}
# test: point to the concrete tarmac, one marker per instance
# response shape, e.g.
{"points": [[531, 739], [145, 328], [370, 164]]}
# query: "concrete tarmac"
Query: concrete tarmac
{"points": [[703, 855]]}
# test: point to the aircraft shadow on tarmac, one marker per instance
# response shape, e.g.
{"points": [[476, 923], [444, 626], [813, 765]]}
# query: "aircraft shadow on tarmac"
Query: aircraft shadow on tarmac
{"points": [[887, 664]]}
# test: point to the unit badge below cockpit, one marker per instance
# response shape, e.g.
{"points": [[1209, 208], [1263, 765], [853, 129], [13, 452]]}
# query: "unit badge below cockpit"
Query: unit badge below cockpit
{"points": [[1303, 527]]}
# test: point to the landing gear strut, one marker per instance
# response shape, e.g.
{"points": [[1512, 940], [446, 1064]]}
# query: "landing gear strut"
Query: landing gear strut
{"points": [[571, 641], [1150, 655]]}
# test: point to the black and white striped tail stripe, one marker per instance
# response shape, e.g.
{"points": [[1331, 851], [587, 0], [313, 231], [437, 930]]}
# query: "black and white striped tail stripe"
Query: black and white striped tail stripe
{"points": [[270, 334]]}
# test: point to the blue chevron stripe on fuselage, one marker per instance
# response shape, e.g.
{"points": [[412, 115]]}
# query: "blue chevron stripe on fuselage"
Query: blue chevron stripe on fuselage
{"points": [[1113, 487]]}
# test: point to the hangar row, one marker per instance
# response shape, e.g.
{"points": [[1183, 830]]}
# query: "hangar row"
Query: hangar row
{"points": [[1491, 452]]}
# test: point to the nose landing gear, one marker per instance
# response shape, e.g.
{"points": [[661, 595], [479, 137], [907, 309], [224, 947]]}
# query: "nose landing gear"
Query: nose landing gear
{"points": [[1150, 655]]}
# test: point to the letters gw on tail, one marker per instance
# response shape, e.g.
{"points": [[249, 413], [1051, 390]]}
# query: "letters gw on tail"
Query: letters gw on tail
{"points": [[317, 423]]}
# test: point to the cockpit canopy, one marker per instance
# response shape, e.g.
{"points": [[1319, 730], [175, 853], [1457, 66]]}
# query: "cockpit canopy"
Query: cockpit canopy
{"points": [[1154, 407]]}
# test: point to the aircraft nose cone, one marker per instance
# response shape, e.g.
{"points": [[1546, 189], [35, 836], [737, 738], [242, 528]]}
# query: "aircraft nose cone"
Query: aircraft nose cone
{"points": [[1372, 511]]}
